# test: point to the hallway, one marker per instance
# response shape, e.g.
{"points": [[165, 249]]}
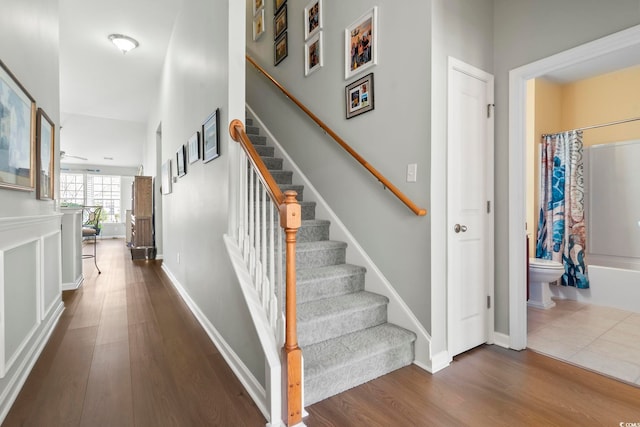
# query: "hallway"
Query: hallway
{"points": [[127, 352]]}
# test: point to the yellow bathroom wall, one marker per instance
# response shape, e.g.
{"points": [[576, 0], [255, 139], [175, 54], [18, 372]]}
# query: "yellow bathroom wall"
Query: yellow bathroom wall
{"points": [[544, 115], [603, 99]]}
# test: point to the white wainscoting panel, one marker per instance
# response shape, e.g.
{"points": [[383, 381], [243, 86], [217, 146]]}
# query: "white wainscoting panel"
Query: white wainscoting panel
{"points": [[30, 296]]}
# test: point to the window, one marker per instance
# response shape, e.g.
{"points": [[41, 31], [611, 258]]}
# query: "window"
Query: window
{"points": [[104, 190], [72, 189], [78, 189]]}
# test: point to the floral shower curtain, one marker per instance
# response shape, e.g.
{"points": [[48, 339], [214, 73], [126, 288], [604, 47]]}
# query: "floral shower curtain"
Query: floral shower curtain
{"points": [[561, 226]]}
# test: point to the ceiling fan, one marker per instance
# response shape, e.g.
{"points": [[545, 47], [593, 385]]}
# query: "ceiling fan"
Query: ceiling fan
{"points": [[64, 155]]}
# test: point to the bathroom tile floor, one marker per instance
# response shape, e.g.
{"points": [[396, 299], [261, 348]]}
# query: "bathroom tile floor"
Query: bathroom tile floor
{"points": [[601, 339]]}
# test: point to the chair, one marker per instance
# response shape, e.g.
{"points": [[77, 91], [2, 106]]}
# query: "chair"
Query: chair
{"points": [[91, 229]]}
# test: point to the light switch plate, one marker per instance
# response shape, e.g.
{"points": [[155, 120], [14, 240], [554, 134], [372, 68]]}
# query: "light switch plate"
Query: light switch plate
{"points": [[412, 172]]}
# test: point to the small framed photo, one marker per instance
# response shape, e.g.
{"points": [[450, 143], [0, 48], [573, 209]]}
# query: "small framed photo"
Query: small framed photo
{"points": [[280, 22], [194, 147], [166, 177], [258, 5], [277, 5], [313, 54], [45, 146], [210, 137], [181, 161], [280, 49], [359, 96], [361, 44], [258, 25], [312, 18]]}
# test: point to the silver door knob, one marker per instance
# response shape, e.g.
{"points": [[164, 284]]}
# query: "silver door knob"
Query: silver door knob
{"points": [[458, 228]]}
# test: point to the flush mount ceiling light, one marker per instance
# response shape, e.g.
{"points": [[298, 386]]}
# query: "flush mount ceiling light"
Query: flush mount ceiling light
{"points": [[124, 43]]}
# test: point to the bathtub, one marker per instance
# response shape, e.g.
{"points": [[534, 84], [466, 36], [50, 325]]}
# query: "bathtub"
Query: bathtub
{"points": [[609, 286]]}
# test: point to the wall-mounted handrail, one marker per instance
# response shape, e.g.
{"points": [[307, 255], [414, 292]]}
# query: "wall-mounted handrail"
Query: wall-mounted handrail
{"points": [[385, 182], [290, 220]]}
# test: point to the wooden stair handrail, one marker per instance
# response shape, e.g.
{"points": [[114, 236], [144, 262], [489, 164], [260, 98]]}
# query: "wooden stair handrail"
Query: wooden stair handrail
{"points": [[291, 220], [385, 182]]}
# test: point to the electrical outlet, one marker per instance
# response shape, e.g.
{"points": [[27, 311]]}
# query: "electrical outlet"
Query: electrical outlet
{"points": [[412, 172], [178, 257]]}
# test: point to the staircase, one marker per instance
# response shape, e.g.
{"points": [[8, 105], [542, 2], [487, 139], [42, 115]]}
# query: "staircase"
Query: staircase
{"points": [[342, 329]]}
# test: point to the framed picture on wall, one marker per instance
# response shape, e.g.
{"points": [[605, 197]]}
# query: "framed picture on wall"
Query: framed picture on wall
{"points": [[280, 49], [361, 44], [258, 25], [359, 96], [45, 149], [312, 18], [313, 54], [180, 161], [280, 22], [258, 5], [194, 147], [210, 137], [17, 136], [166, 178], [277, 4]]}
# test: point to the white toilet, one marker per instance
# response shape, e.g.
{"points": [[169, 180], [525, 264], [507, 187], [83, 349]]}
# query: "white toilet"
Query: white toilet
{"points": [[541, 272]]}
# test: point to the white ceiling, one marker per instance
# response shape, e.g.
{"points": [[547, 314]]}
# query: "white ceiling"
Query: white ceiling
{"points": [[105, 95]]}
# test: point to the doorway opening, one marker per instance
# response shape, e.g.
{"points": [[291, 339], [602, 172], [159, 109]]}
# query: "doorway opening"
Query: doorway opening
{"points": [[609, 53]]}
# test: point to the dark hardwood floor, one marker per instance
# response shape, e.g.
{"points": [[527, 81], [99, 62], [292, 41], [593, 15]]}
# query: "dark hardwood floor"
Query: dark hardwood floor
{"points": [[127, 352]]}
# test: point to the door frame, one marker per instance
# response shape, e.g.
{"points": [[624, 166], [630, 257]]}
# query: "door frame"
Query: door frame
{"points": [[517, 162], [455, 65]]}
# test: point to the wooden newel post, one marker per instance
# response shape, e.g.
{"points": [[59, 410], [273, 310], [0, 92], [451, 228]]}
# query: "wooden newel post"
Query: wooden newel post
{"points": [[291, 220]]}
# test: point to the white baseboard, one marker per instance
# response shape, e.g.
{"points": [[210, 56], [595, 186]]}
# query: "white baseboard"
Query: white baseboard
{"points": [[72, 286], [17, 380], [438, 362], [253, 387], [502, 340]]}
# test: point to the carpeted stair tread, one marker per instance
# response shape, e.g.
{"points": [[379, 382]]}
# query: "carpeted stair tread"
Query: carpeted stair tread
{"points": [[329, 318], [313, 230], [281, 176], [297, 188], [329, 307], [339, 364], [320, 253], [328, 281], [355, 346]]}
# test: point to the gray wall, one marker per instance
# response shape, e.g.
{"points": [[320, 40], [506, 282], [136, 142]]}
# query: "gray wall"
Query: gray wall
{"points": [[196, 80], [29, 31], [391, 136], [526, 31]]}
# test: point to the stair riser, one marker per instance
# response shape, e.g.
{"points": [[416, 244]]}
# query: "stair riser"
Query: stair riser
{"points": [[264, 150], [258, 139], [331, 287], [272, 163], [252, 130], [320, 258], [341, 324], [282, 177], [360, 371]]}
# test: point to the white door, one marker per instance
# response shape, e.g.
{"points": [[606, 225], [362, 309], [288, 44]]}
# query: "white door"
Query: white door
{"points": [[470, 259]]}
